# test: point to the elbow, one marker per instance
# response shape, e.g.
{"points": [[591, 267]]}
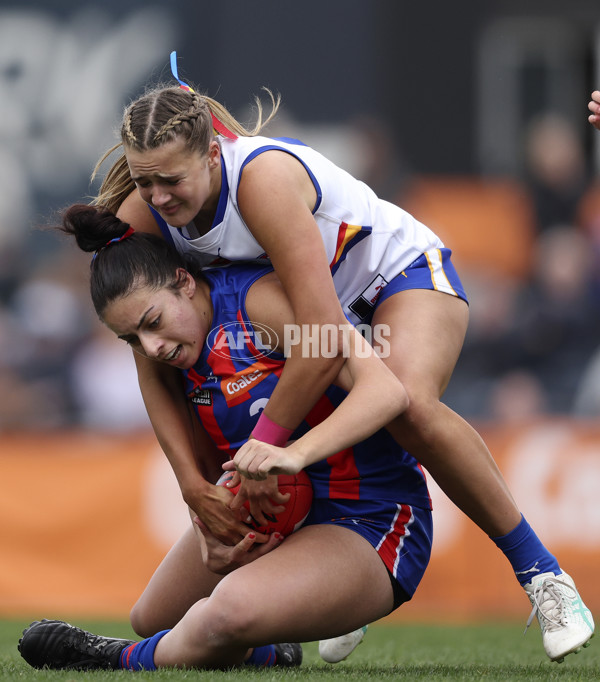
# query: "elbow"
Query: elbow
{"points": [[399, 399]]}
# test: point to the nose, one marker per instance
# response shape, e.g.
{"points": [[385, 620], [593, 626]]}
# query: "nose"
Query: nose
{"points": [[152, 346], [160, 196]]}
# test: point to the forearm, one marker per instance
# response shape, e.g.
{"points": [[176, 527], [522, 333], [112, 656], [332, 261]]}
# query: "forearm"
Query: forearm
{"points": [[172, 423], [302, 382], [376, 398], [194, 458]]}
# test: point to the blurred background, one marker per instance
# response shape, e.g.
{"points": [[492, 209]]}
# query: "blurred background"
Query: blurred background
{"points": [[472, 116]]}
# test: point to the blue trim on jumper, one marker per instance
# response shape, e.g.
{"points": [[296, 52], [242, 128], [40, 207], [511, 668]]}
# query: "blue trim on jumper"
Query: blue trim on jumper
{"points": [[223, 196], [162, 224], [274, 147]]}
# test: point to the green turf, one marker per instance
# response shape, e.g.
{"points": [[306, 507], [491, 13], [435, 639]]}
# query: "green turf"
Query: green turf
{"points": [[389, 652]]}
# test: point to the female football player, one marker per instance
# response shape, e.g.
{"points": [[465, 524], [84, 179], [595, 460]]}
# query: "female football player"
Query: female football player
{"points": [[369, 531]]}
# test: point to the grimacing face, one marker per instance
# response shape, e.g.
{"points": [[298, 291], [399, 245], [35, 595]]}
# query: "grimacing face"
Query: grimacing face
{"points": [[167, 325], [176, 182]]}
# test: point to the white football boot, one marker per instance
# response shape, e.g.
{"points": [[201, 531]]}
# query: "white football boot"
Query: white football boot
{"points": [[337, 649], [566, 622]]}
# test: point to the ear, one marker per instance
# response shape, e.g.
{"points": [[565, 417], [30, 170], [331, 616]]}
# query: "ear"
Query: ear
{"points": [[214, 155], [185, 282]]}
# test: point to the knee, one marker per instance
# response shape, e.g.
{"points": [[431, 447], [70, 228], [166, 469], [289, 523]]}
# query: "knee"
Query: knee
{"points": [[418, 421], [143, 621], [231, 621], [138, 621]]}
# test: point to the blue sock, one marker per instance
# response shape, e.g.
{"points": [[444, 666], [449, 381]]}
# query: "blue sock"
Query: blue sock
{"points": [[262, 656], [526, 553], [140, 656]]}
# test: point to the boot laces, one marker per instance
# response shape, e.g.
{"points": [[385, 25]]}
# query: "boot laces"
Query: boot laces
{"points": [[548, 601], [86, 643]]}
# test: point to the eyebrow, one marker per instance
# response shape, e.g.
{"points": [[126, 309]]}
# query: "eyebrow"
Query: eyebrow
{"points": [[162, 176], [140, 323]]}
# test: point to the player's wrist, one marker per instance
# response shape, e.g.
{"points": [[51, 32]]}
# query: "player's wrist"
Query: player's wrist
{"points": [[268, 431], [301, 455], [193, 489]]}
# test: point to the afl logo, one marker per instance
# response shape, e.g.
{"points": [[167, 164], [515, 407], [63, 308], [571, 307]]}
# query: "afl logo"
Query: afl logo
{"points": [[238, 341]]}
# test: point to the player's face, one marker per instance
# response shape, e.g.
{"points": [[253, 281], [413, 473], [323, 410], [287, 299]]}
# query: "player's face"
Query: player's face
{"points": [[178, 183], [167, 325]]}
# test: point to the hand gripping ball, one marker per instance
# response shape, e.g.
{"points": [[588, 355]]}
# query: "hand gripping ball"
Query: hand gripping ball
{"points": [[296, 508]]}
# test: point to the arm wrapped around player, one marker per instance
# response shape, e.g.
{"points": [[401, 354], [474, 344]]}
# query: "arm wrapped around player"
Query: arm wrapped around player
{"points": [[375, 397]]}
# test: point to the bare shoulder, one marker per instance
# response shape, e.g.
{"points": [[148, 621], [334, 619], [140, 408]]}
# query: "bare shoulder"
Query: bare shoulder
{"points": [[274, 162], [136, 212], [275, 169]]}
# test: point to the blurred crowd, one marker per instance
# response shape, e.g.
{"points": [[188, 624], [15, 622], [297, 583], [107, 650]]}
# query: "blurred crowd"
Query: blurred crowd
{"points": [[533, 345], [60, 366]]}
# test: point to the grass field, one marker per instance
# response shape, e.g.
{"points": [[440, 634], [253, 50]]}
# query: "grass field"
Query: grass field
{"points": [[389, 652]]}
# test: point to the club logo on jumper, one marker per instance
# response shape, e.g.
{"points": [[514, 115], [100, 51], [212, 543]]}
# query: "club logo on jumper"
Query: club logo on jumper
{"points": [[201, 396], [238, 340]]}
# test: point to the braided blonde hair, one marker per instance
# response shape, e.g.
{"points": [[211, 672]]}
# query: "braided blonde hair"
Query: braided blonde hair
{"points": [[163, 115]]}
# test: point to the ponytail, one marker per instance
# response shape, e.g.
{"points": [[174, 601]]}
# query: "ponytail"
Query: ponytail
{"points": [[123, 259], [93, 228]]}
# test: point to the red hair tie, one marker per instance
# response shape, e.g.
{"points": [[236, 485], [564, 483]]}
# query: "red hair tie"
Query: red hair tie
{"points": [[128, 232]]}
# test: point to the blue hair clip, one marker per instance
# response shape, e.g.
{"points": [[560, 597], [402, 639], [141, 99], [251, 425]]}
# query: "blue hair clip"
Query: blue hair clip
{"points": [[219, 127], [175, 73]]}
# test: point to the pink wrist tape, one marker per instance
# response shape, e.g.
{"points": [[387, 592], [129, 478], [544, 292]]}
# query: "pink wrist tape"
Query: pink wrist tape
{"points": [[268, 431]]}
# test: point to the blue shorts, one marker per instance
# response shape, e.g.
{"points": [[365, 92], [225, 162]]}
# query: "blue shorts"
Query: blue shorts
{"points": [[431, 270], [401, 534]]}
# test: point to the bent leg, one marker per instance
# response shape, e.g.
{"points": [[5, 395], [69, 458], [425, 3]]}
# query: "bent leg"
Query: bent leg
{"points": [[302, 591], [427, 330], [180, 581]]}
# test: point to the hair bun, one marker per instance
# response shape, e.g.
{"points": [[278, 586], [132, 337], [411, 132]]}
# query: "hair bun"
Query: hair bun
{"points": [[92, 226]]}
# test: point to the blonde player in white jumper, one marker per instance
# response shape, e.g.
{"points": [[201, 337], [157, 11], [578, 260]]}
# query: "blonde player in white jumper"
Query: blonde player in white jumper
{"points": [[220, 192]]}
